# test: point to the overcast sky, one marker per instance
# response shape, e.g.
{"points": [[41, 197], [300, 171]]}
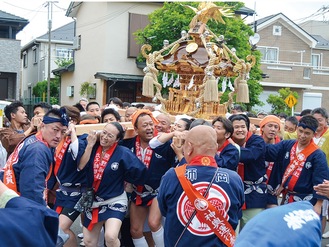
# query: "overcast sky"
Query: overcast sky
{"points": [[37, 14]]}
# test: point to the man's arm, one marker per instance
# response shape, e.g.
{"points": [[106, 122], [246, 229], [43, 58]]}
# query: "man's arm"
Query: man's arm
{"points": [[10, 138], [91, 140], [322, 189], [38, 221], [320, 173], [254, 150], [5, 195], [318, 206], [35, 165]]}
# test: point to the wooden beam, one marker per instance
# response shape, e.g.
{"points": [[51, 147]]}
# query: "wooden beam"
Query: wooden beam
{"points": [[130, 132], [255, 121], [122, 112], [85, 128]]}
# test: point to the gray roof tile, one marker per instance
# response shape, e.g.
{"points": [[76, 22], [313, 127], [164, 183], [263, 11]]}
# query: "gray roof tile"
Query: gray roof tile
{"points": [[322, 42], [64, 33], [9, 17]]}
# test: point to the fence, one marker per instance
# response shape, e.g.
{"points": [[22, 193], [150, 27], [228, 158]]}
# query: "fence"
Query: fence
{"points": [[29, 103]]}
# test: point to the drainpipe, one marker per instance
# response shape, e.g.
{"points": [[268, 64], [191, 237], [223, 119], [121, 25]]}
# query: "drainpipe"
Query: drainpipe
{"points": [[109, 88]]}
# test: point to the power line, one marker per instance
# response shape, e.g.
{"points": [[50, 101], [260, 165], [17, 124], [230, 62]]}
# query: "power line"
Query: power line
{"points": [[106, 18], [35, 14], [19, 7], [37, 10], [63, 9], [320, 12]]}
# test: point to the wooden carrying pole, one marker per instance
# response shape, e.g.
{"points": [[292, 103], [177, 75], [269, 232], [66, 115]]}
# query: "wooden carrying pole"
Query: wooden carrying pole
{"points": [[85, 128]]}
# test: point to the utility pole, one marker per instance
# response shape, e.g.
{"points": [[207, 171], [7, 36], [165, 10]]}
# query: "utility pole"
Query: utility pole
{"points": [[49, 4]]}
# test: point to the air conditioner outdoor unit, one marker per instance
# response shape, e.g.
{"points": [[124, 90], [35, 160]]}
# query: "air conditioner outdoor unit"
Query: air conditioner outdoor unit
{"points": [[76, 43]]}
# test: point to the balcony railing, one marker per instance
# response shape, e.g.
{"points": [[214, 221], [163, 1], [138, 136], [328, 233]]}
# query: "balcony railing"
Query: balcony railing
{"points": [[287, 65], [36, 100]]}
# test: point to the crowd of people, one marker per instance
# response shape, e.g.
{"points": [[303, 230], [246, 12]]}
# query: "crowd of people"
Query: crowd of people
{"points": [[177, 181]]}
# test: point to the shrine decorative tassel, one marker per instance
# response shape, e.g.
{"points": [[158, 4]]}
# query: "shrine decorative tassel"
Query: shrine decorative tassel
{"points": [[148, 83], [240, 83], [171, 80], [190, 85], [211, 90], [165, 79], [176, 82], [242, 95]]}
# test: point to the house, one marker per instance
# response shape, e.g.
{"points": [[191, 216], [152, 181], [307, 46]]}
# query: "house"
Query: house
{"points": [[10, 61], [35, 58], [105, 51], [316, 27], [295, 58]]}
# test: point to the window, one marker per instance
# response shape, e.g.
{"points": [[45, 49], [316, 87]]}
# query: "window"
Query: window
{"points": [[136, 22], [269, 54], [311, 100], [64, 53], [307, 73], [277, 30], [25, 59], [35, 56], [316, 62]]}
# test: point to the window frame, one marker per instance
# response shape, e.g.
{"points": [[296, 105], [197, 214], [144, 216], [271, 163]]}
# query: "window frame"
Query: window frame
{"points": [[266, 49], [318, 65], [64, 53], [25, 60], [136, 22], [35, 55]]}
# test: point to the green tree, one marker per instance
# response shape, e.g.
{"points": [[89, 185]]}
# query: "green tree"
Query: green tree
{"points": [[167, 23], [277, 101], [41, 87], [63, 62], [88, 90]]}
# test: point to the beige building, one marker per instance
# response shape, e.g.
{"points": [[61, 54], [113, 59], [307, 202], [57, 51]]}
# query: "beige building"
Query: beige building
{"points": [[316, 27], [296, 58], [105, 51]]}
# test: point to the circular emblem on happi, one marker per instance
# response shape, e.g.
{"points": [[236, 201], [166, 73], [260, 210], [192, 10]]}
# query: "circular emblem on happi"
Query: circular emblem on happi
{"points": [[216, 196], [201, 204], [115, 166], [191, 47], [205, 161], [308, 165], [300, 157]]}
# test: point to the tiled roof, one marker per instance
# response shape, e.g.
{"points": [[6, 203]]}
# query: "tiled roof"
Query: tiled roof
{"points": [[118, 77], [63, 33], [13, 20], [322, 42], [245, 11], [9, 17], [262, 20]]}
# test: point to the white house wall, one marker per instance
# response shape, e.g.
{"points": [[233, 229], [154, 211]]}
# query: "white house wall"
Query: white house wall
{"points": [[103, 27]]}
